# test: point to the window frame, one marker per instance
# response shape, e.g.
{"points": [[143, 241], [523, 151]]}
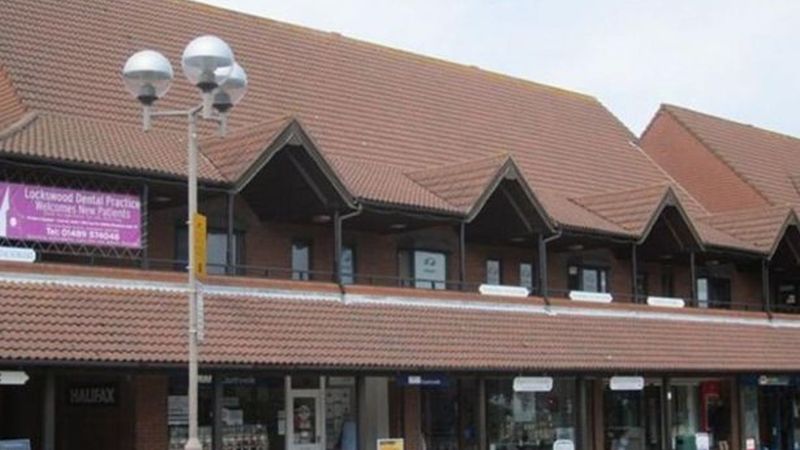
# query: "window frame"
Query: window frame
{"points": [[298, 275], [603, 274], [239, 255], [499, 262]]}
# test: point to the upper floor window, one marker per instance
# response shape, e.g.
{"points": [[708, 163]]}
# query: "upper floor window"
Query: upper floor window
{"points": [[788, 294], [216, 248], [423, 268], [713, 292], [526, 275], [642, 286], [667, 283], [587, 278], [494, 272], [301, 260], [348, 262]]}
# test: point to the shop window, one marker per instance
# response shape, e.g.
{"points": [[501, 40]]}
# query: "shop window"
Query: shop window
{"points": [[522, 420], [340, 417], [700, 409], [250, 413], [494, 272], [216, 248], [178, 412], [587, 278], [348, 262], [301, 260], [633, 418], [526, 276], [450, 416], [422, 269], [713, 292]]}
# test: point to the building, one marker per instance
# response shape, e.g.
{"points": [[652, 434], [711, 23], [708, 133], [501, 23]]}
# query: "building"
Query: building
{"points": [[360, 200]]}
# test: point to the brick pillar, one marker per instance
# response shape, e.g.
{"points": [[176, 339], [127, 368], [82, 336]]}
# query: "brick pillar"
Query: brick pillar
{"points": [[412, 422], [150, 412]]}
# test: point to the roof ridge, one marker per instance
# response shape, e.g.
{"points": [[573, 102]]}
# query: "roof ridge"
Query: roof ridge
{"points": [[401, 52], [711, 148], [731, 121]]}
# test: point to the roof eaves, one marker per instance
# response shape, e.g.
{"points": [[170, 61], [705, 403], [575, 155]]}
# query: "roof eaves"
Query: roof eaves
{"points": [[790, 220]]}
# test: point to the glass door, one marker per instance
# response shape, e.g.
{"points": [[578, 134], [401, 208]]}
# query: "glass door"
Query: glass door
{"points": [[305, 425]]}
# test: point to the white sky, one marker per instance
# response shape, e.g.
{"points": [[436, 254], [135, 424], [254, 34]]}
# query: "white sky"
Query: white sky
{"points": [[733, 58]]}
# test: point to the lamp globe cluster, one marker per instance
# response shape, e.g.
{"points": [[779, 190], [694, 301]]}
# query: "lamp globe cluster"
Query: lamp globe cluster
{"points": [[207, 63]]}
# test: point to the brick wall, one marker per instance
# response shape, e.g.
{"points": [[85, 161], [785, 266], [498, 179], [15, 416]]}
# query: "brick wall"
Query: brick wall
{"points": [[150, 412]]}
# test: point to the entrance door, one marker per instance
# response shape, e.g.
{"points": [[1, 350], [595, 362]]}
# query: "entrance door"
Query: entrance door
{"points": [[305, 425]]}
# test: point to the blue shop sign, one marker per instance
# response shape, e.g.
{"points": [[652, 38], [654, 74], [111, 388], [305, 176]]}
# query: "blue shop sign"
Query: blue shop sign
{"points": [[770, 380], [423, 380]]}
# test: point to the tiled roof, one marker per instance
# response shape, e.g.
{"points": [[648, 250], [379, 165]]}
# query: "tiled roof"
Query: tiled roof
{"points": [[11, 107], [631, 209], [364, 104], [95, 320], [766, 160], [80, 140], [461, 184], [235, 152], [761, 227]]}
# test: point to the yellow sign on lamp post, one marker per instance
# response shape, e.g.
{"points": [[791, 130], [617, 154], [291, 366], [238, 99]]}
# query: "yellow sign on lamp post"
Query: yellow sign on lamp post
{"points": [[199, 224]]}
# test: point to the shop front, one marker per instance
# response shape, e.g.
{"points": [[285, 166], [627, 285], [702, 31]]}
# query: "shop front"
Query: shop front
{"points": [[771, 412], [262, 412]]}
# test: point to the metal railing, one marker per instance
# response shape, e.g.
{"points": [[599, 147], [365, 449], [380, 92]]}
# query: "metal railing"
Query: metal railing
{"points": [[380, 280]]}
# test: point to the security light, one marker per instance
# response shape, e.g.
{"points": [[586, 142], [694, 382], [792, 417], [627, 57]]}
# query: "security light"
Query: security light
{"points": [[147, 75]]}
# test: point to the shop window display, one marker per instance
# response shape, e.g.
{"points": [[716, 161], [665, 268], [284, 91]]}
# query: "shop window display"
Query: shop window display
{"points": [[633, 418], [178, 412], [450, 415], [340, 413], [250, 413], [529, 420]]}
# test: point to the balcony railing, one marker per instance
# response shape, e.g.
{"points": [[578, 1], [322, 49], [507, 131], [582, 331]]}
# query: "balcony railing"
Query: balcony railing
{"points": [[382, 280]]}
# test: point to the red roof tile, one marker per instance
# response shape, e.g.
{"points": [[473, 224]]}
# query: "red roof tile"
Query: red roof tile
{"points": [[765, 160], [50, 321], [367, 106], [762, 228]]}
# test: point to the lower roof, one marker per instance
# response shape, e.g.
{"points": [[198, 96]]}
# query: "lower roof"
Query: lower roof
{"points": [[105, 319]]}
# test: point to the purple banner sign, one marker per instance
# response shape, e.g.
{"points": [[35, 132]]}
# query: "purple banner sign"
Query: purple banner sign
{"points": [[48, 214]]}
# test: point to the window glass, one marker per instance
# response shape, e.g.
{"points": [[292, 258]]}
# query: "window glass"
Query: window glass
{"points": [[642, 288], [250, 412], [526, 275], [340, 416], [430, 270], [178, 411], [493, 271], [348, 263], [702, 292], [301, 260], [667, 283], [623, 413], [522, 420], [216, 249], [590, 281], [787, 294]]}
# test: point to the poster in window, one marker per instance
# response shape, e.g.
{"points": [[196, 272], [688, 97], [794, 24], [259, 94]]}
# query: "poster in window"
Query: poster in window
{"points": [[524, 406], [304, 422], [429, 270]]}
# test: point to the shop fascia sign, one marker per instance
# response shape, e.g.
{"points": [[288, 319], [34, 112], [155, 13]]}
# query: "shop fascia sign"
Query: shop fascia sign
{"points": [[425, 380], [533, 384], [13, 377], [92, 395], [767, 380], [626, 383]]}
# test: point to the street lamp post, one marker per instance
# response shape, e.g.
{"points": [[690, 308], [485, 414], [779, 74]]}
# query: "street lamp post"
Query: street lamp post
{"points": [[208, 63]]}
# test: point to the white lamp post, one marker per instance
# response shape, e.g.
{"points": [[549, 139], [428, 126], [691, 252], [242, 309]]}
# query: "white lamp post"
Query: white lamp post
{"points": [[208, 63]]}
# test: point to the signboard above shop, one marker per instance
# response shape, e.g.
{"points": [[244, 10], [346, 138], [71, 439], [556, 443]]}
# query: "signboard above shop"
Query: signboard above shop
{"points": [[626, 383], [426, 380], [533, 384], [71, 216]]}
